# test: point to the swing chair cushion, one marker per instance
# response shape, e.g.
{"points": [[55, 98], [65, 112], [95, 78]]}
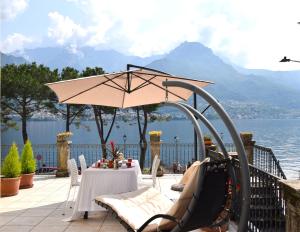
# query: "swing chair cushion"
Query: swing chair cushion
{"points": [[180, 206], [134, 208], [189, 172]]}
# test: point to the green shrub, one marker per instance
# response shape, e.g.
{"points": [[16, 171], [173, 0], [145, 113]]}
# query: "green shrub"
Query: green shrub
{"points": [[11, 167], [206, 137], [27, 159]]}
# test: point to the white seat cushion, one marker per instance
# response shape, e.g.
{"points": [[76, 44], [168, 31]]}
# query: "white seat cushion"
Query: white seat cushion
{"points": [[137, 207]]}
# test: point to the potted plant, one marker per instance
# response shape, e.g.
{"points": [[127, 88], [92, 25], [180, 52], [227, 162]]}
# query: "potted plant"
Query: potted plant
{"points": [[207, 140], [11, 170], [27, 166]]}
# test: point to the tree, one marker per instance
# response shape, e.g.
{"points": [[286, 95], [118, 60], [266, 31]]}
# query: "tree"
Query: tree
{"points": [[70, 112], [142, 127], [99, 111], [24, 91]]}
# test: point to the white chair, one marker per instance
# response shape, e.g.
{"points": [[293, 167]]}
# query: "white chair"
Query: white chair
{"points": [[149, 176], [73, 171], [154, 171], [82, 163], [155, 165]]}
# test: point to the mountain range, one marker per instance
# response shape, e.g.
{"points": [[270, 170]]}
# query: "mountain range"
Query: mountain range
{"points": [[272, 92]]}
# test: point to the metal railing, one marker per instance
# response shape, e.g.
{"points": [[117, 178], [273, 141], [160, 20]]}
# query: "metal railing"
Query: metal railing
{"points": [[46, 154], [265, 160], [182, 153], [267, 205]]}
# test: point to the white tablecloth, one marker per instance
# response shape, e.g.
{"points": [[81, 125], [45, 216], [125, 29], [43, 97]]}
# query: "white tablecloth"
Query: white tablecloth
{"points": [[99, 181]]}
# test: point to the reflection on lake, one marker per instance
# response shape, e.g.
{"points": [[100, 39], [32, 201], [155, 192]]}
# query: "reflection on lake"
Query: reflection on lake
{"points": [[283, 136]]}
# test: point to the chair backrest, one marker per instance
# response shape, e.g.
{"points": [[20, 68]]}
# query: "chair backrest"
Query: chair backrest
{"points": [[82, 163], [209, 200], [154, 170], [72, 166]]}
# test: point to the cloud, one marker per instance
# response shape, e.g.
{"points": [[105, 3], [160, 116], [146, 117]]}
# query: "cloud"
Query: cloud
{"points": [[9, 9], [14, 42], [63, 29], [253, 33]]}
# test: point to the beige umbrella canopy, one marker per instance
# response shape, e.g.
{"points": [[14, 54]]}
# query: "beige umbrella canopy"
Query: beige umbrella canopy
{"points": [[130, 88]]}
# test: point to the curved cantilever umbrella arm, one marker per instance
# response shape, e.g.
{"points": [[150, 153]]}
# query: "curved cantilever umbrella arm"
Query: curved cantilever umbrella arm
{"points": [[196, 126], [244, 169], [208, 125]]}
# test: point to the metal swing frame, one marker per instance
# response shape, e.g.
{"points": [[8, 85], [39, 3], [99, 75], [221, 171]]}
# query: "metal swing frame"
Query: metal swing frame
{"points": [[210, 199]]}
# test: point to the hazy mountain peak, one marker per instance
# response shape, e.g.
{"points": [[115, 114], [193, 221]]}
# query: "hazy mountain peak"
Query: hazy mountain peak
{"points": [[10, 59], [190, 49]]}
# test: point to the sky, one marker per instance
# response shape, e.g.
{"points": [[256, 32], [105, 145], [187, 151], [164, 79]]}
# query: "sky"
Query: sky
{"points": [[249, 33]]}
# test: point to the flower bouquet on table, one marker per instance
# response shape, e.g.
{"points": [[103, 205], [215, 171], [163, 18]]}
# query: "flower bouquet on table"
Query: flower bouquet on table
{"points": [[116, 156]]}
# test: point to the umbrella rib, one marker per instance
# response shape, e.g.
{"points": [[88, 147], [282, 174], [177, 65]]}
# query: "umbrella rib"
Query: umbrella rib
{"points": [[175, 77], [147, 82], [162, 88], [141, 86], [95, 86], [121, 88]]}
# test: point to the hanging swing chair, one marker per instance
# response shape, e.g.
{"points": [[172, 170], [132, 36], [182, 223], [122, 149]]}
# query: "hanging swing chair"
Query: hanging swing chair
{"points": [[207, 199]]}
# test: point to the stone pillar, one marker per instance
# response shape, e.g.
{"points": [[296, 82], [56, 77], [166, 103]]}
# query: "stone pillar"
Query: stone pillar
{"points": [[155, 148], [63, 153], [291, 194], [248, 144]]}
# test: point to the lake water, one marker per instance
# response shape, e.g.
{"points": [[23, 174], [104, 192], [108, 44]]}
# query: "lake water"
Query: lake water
{"points": [[283, 136]]}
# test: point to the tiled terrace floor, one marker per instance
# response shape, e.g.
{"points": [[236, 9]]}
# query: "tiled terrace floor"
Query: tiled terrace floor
{"points": [[40, 208]]}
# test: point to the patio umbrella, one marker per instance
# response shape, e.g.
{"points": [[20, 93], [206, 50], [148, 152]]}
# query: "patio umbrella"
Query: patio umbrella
{"points": [[141, 86]]}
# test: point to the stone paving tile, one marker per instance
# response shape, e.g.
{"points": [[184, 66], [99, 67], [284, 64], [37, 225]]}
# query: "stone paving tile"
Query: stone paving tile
{"points": [[25, 221], [112, 228], [50, 221], [37, 212], [52, 228], [5, 219], [16, 228], [94, 221], [58, 212], [81, 228], [11, 212]]}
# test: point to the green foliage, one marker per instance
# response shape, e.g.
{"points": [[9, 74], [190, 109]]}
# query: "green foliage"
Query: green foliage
{"points": [[11, 167], [27, 159], [24, 85], [207, 137], [24, 91], [92, 71], [146, 171]]}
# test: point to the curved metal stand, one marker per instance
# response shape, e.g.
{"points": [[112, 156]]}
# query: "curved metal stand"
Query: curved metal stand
{"points": [[202, 154], [244, 169], [208, 125]]}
